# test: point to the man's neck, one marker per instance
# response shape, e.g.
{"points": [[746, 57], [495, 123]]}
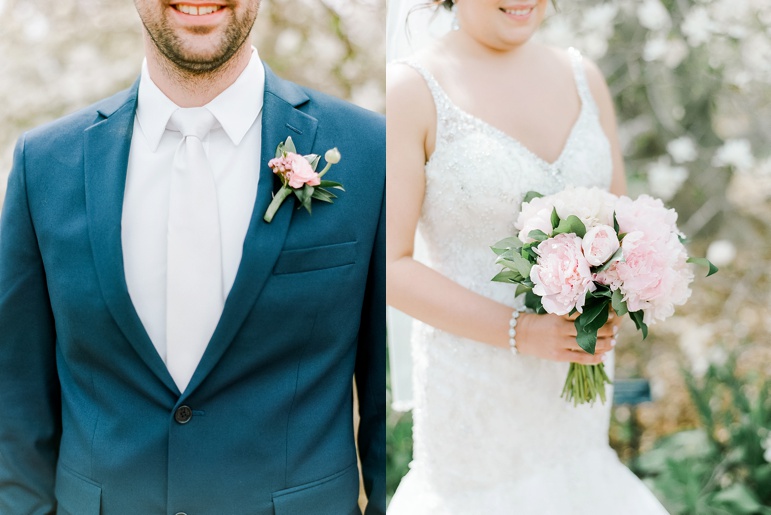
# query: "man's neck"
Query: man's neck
{"points": [[194, 89]]}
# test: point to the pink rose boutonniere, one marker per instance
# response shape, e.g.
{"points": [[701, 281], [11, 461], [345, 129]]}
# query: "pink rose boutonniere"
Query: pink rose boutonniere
{"points": [[299, 177]]}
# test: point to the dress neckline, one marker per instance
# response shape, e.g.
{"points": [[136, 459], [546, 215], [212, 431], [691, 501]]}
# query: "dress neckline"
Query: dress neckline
{"points": [[485, 125]]}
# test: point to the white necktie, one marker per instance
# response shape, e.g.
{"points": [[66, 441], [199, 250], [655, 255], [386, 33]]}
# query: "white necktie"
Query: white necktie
{"points": [[195, 296]]}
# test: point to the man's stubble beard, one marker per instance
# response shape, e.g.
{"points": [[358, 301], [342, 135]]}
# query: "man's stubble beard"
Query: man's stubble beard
{"points": [[196, 69]]}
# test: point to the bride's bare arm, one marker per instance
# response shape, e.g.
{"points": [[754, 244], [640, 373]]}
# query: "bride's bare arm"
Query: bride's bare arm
{"points": [[419, 290]]}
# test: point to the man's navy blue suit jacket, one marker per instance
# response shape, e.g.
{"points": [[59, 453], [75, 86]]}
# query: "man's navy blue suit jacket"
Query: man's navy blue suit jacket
{"points": [[92, 423]]}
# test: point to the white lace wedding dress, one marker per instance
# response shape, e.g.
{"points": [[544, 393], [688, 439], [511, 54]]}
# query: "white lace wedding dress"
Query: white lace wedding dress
{"points": [[491, 433]]}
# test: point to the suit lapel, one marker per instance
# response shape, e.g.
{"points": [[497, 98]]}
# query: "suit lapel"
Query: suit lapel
{"points": [[106, 152], [263, 242]]}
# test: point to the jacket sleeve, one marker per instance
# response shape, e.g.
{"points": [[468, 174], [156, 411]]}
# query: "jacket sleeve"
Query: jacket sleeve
{"points": [[370, 377], [30, 405]]}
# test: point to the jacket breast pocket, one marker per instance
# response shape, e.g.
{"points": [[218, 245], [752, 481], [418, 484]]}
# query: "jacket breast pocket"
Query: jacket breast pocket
{"points": [[76, 495], [315, 258], [333, 495]]}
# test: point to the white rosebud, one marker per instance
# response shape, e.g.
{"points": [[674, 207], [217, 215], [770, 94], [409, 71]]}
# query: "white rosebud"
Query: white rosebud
{"points": [[332, 156]]}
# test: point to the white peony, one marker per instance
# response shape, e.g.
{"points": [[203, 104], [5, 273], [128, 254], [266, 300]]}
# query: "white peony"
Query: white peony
{"points": [[592, 206]]}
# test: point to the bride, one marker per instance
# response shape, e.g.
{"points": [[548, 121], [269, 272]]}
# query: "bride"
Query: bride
{"points": [[475, 120]]}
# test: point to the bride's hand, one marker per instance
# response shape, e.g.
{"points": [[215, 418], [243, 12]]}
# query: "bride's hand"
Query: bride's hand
{"points": [[553, 337]]}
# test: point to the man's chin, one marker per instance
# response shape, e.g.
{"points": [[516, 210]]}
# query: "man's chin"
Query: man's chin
{"points": [[200, 59]]}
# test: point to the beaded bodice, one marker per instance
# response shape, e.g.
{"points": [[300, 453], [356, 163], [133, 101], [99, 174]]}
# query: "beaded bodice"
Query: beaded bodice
{"points": [[478, 175]]}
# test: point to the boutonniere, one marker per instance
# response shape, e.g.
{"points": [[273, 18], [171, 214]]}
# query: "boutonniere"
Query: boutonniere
{"points": [[298, 176]]}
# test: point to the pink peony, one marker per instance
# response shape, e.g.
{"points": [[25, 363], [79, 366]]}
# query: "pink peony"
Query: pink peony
{"points": [[599, 244], [561, 276], [646, 214], [654, 276], [295, 169]]}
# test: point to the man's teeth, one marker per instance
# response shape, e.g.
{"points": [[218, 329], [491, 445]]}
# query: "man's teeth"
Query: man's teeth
{"points": [[198, 11], [518, 12]]}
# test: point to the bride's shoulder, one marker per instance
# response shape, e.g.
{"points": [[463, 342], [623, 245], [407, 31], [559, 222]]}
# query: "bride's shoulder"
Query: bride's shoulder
{"points": [[594, 77]]}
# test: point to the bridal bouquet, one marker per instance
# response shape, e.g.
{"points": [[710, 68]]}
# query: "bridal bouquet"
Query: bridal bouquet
{"points": [[585, 250]]}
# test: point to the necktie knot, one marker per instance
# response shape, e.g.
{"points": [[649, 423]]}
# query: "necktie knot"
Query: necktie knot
{"points": [[194, 121]]}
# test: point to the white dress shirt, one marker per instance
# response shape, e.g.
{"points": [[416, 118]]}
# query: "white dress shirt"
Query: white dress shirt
{"points": [[233, 149]]}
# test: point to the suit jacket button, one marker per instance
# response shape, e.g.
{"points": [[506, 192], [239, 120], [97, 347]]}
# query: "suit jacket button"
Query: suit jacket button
{"points": [[183, 414]]}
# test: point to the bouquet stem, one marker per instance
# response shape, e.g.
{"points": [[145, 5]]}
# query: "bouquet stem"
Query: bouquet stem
{"points": [[585, 383]]}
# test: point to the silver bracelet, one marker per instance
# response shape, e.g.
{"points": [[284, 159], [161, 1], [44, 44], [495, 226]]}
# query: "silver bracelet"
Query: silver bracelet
{"points": [[513, 331]]}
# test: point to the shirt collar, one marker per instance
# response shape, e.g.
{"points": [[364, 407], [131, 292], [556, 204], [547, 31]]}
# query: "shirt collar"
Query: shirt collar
{"points": [[236, 108]]}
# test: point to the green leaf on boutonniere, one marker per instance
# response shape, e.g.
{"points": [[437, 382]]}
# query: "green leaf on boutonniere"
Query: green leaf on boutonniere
{"points": [[313, 160], [289, 146], [323, 195], [331, 184]]}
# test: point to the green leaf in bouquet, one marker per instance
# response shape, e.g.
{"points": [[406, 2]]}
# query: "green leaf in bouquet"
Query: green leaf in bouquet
{"points": [[555, 218], [516, 262], [615, 223], [538, 235], [602, 291], [528, 252], [512, 242], [617, 256], [618, 303], [289, 145], [704, 262], [522, 288], [586, 338], [637, 318], [530, 195], [507, 276], [533, 302], [571, 224], [595, 312]]}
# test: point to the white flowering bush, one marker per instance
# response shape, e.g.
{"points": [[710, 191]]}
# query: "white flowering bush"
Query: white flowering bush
{"points": [[690, 79]]}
